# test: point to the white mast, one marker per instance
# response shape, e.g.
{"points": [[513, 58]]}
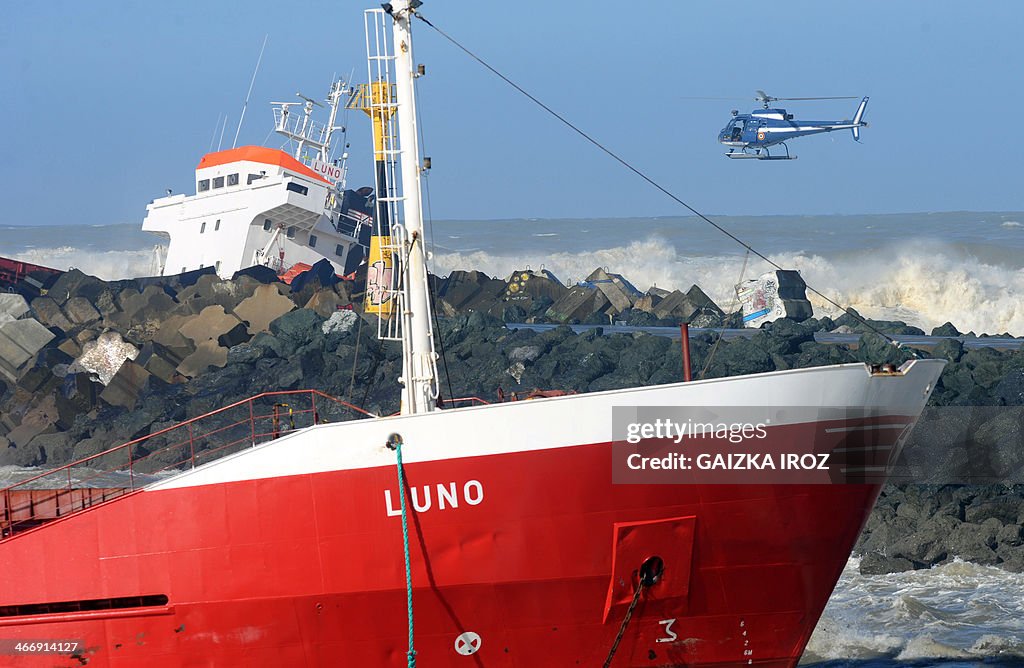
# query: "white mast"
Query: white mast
{"points": [[419, 392]]}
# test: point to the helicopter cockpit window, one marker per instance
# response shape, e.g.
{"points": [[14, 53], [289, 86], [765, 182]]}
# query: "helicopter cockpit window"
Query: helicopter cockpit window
{"points": [[735, 129]]}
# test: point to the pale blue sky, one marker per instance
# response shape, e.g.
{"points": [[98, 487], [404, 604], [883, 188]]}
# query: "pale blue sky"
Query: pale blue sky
{"points": [[106, 104]]}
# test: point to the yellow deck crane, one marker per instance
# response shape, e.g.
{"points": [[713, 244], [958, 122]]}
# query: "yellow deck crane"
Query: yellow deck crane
{"points": [[377, 100]]}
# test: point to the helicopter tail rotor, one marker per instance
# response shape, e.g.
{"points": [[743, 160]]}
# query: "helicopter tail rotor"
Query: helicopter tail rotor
{"points": [[858, 121]]}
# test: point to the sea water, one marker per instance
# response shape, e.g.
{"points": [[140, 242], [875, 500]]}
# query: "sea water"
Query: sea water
{"points": [[956, 614], [924, 269]]}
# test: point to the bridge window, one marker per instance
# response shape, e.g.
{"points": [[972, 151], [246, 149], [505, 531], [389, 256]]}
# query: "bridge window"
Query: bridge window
{"points": [[202, 228], [267, 224], [232, 179], [218, 182], [339, 250], [204, 185], [253, 177], [216, 226], [296, 188], [291, 232], [312, 241], [217, 266]]}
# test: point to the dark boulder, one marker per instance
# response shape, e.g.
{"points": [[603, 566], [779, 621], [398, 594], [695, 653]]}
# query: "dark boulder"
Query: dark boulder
{"points": [[946, 329], [877, 564], [259, 273]]}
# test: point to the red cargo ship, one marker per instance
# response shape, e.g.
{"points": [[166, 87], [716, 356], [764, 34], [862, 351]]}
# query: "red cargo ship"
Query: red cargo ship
{"points": [[522, 548]]}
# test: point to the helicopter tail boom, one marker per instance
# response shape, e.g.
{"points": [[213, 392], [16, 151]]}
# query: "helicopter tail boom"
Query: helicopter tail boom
{"points": [[857, 122]]}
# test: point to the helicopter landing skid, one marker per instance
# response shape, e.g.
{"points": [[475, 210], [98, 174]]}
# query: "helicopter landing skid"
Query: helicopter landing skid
{"points": [[759, 155]]}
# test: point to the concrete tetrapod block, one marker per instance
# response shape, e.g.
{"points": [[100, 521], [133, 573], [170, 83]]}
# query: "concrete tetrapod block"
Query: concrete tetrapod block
{"points": [[160, 362], [20, 340], [169, 336], [578, 304], [80, 311], [325, 302], [13, 305], [48, 312], [524, 286], [208, 354], [126, 385], [647, 302], [150, 304], [70, 347], [77, 396], [210, 290], [264, 306], [106, 303], [125, 297], [461, 287], [489, 293], [68, 284], [211, 323], [615, 289], [677, 305], [104, 356], [38, 419], [686, 305]]}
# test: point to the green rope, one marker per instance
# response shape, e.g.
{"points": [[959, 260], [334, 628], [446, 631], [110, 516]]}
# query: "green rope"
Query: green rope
{"points": [[395, 442]]}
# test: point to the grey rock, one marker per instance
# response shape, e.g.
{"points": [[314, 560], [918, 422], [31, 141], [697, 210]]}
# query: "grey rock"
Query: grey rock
{"points": [[874, 563], [340, 321], [524, 354]]}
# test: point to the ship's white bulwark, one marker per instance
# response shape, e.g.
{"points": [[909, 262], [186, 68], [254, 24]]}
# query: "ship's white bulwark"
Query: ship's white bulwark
{"points": [[562, 422]]}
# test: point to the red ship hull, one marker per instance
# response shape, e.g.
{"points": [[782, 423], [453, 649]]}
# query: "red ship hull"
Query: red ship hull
{"points": [[529, 550]]}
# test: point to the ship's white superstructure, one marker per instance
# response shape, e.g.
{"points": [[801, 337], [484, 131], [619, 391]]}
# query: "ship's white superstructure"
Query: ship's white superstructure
{"points": [[261, 206]]}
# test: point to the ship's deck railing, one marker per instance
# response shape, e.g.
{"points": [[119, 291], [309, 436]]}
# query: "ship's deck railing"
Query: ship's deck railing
{"points": [[130, 466]]}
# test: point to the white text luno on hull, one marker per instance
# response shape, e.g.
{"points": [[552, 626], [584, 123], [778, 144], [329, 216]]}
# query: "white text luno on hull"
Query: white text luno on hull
{"points": [[441, 496]]}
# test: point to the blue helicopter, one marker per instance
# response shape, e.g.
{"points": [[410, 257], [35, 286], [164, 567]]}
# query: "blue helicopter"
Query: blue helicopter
{"points": [[750, 135]]}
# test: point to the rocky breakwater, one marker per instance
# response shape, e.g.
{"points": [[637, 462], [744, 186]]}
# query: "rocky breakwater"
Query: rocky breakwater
{"points": [[92, 364]]}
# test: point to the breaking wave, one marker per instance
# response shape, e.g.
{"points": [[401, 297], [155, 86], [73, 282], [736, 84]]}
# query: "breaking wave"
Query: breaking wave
{"points": [[954, 611], [108, 265], [924, 284]]}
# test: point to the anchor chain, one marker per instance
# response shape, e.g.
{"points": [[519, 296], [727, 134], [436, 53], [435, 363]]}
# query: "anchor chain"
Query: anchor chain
{"points": [[648, 575]]}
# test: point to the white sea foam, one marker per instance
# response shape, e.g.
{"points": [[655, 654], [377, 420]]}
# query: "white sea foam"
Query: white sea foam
{"points": [[108, 265], [924, 284], [954, 611], [974, 284]]}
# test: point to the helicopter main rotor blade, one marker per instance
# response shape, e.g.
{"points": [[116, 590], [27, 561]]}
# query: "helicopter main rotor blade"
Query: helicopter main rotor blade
{"points": [[841, 97]]}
